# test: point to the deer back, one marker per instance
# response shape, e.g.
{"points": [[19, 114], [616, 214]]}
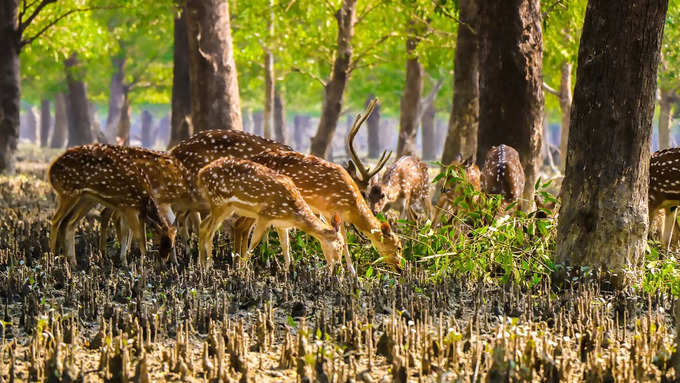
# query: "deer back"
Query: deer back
{"points": [[664, 179], [503, 173]]}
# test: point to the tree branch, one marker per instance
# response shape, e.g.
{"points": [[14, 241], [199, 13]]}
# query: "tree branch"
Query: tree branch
{"points": [[550, 90], [24, 24], [49, 25], [311, 75], [367, 11], [430, 97], [368, 49]]}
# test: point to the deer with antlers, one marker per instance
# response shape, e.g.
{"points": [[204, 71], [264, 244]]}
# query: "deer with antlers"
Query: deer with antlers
{"points": [[271, 199], [451, 192], [87, 175], [404, 182]]}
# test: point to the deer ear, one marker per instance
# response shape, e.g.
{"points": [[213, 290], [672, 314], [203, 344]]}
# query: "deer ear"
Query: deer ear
{"points": [[459, 158], [468, 162], [336, 222], [385, 228]]}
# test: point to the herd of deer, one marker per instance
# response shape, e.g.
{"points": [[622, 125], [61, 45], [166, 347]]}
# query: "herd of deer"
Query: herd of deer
{"points": [[218, 173]]}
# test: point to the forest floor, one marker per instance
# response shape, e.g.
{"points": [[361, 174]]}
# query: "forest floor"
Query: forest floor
{"points": [[257, 323]]}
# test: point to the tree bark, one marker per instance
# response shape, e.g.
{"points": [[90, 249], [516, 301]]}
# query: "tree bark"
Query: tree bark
{"points": [[300, 124], [180, 123], [279, 117], [665, 118], [268, 93], [410, 102], [565, 107], [45, 122], [215, 102], [335, 88], [258, 120], [427, 131], [77, 104], [10, 91], [123, 135], [373, 129], [147, 129], [603, 219], [464, 119], [510, 90], [60, 122], [163, 131], [31, 125], [115, 94]]}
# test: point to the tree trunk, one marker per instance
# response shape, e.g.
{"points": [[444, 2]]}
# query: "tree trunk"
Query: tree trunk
{"points": [[115, 95], [31, 125], [279, 118], [163, 131], [258, 120], [410, 102], [248, 121], [60, 122], [300, 124], [565, 107], [464, 119], [603, 219], [335, 88], [268, 93], [123, 135], [45, 122], [373, 130], [180, 124], [427, 131], [10, 91], [77, 104], [215, 100], [510, 91], [147, 129], [665, 118]]}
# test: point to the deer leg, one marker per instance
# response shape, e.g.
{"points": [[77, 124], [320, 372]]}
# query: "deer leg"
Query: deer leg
{"points": [[208, 228], [125, 238], [348, 256], [131, 217], [79, 210], [285, 246], [261, 227], [104, 218], [427, 204], [669, 223]]}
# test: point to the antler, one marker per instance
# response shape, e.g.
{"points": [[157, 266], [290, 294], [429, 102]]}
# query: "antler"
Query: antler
{"points": [[364, 174]]}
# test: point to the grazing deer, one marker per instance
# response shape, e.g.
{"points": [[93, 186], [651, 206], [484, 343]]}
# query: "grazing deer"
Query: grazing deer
{"points": [[664, 188], [503, 173], [356, 169], [86, 175], [252, 190], [168, 179], [450, 193], [405, 181], [328, 188], [207, 146]]}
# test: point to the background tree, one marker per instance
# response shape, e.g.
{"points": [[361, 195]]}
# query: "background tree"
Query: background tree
{"points": [[181, 127], [603, 218], [669, 75], [510, 94]]}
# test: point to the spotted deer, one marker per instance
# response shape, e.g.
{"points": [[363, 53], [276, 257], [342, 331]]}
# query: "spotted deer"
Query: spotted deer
{"points": [[406, 181], [664, 188], [87, 175], [207, 146], [328, 188], [355, 167], [168, 179], [503, 174], [451, 192], [252, 190]]}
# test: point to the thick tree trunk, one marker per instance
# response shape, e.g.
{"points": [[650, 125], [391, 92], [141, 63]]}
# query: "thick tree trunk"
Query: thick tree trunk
{"points": [[45, 122], [603, 219], [665, 118], [279, 117], [427, 131], [565, 107], [464, 119], [248, 121], [115, 95], [335, 88], [147, 129], [124, 124], [268, 93], [258, 121], [180, 124], [373, 130], [215, 100], [510, 91], [77, 105], [31, 125], [410, 102], [10, 92], [163, 131], [60, 122]]}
